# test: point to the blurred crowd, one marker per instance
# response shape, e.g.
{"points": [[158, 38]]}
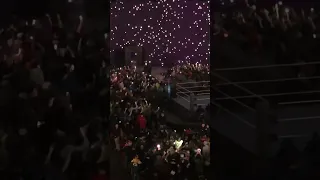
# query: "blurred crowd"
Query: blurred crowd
{"points": [[54, 94], [149, 146], [255, 34], [293, 163], [261, 33], [189, 72], [258, 33]]}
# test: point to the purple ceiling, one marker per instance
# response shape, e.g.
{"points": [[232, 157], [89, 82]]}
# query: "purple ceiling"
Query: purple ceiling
{"points": [[169, 30]]}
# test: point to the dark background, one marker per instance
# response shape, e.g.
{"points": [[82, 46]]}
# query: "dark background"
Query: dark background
{"points": [[35, 8]]}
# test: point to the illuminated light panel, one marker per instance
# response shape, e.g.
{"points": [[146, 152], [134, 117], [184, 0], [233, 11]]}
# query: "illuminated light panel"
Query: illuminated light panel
{"points": [[169, 30]]}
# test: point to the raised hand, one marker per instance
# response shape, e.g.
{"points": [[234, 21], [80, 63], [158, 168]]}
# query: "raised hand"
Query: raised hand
{"points": [[254, 7], [51, 101], [80, 24]]}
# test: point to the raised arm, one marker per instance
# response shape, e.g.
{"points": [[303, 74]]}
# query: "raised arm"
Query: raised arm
{"points": [[60, 23], [85, 143], [311, 23], [67, 161], [71, 52], [80, 24], [79, 45], [49, 19], [48, 158], [103, 155]]}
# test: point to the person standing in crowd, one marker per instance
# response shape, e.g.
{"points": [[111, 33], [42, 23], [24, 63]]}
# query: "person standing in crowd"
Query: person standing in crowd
{"points": [[206, 158], [198, 163], [116, 135], [135, 164], [142, 123], [46, 94], [159, 146], [127, 149]]}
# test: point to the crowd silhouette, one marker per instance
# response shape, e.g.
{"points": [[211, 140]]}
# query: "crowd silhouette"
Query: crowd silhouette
{"points": [[53, 100], [281, 34]]}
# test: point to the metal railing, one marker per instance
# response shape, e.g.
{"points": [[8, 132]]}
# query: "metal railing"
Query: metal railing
{"points": [[184, 91], [238, 86], [224, 82], [218, 104], [269, 95], [270, 80], [266, 66]]}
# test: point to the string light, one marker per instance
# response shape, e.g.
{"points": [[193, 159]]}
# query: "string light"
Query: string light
{"points": [[169, 30]]}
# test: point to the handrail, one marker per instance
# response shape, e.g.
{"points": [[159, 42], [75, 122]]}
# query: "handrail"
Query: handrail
{"points": [[298, 119], [183, 93], [269, 95], [180, 87], [240, 87], [270, 80], [201, 94], [266, 66], [193, 82], [191, 87], [206, 90], [201, 99], [293, 136], [183, 98], [298, 102], [235, 100], [235, 115]]}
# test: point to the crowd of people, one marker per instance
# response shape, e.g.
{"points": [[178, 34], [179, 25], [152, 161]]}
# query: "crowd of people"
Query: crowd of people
{"points": [[150, 147], [189, 71], [262, 33], [55, 122], [54, 96], [281, 33], [268, 33], [258, 33]]}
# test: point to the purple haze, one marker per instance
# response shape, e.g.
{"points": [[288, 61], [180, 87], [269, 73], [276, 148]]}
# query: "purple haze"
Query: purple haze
{"points": [[166, 45]]}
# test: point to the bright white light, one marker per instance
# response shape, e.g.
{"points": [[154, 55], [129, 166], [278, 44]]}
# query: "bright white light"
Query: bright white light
{"points": [[178, 144]]}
